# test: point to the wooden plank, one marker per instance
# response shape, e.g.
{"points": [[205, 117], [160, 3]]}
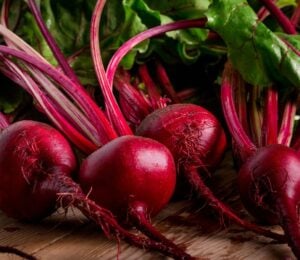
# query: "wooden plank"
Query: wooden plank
{"points": [[34, 237], [189, 223]]}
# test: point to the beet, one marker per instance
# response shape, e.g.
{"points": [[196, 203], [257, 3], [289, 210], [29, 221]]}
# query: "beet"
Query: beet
{"points": [[269, 185], [36, 166], [134, 177], [31, 153], [197, 141], [129, 169]]}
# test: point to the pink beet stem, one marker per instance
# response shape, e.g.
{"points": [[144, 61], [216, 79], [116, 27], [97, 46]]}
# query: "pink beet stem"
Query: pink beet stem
{"points": [[135, 40], [105, 131], [296, 16], [165, 82], [112, 108], [286, 24], [255, 115], [51, 42], [270, 118], [136, 106], [287, 124], [239, 135], [3, 121], [152, 89], [240, 98]]}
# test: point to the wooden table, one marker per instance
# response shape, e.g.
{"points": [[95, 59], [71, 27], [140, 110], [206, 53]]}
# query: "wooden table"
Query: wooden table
{"points": [[187, 222]]}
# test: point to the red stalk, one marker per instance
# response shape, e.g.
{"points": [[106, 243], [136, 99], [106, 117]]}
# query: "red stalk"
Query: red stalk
{"points": [[240, 90], [165, 82], [187, 93], [287, 124], [75, 91], [113, 111], [135, 40], [107, 132], [134, 105], [52, 112], [239, 135], [51, 42], [93, 114], [10, 38], [285, 23], [3, 121], [296, 16], [270, 118], [154, 96], [262, 13]]}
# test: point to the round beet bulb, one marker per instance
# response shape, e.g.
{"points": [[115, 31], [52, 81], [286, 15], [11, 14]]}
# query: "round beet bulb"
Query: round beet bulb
{"points": [[135, 178], [129, 169], [197, 141], [269, 184], [36, 164], [32, 153]]}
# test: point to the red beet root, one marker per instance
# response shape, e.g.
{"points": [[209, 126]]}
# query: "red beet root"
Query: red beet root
{"points": [[31, 153], [269, 184], [129, 169], [193, 135], [36, 163], [135, 178], [197, 141]]}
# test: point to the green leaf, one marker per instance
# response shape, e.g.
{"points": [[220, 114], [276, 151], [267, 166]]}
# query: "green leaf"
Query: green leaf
{"points": [[180, 9], [186, 44], [255, 51], [67, 21], [119, 23]]}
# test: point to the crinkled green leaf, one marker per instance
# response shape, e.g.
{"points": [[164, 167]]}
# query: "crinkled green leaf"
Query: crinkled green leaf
{"points": [[186, 42], [140, 15], [180, 9], [67, 21], [119, 23], [259, 54], [255, 51]]}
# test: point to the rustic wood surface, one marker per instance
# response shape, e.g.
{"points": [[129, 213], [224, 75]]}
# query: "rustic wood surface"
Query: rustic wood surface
{"points": [[189, 223]]}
